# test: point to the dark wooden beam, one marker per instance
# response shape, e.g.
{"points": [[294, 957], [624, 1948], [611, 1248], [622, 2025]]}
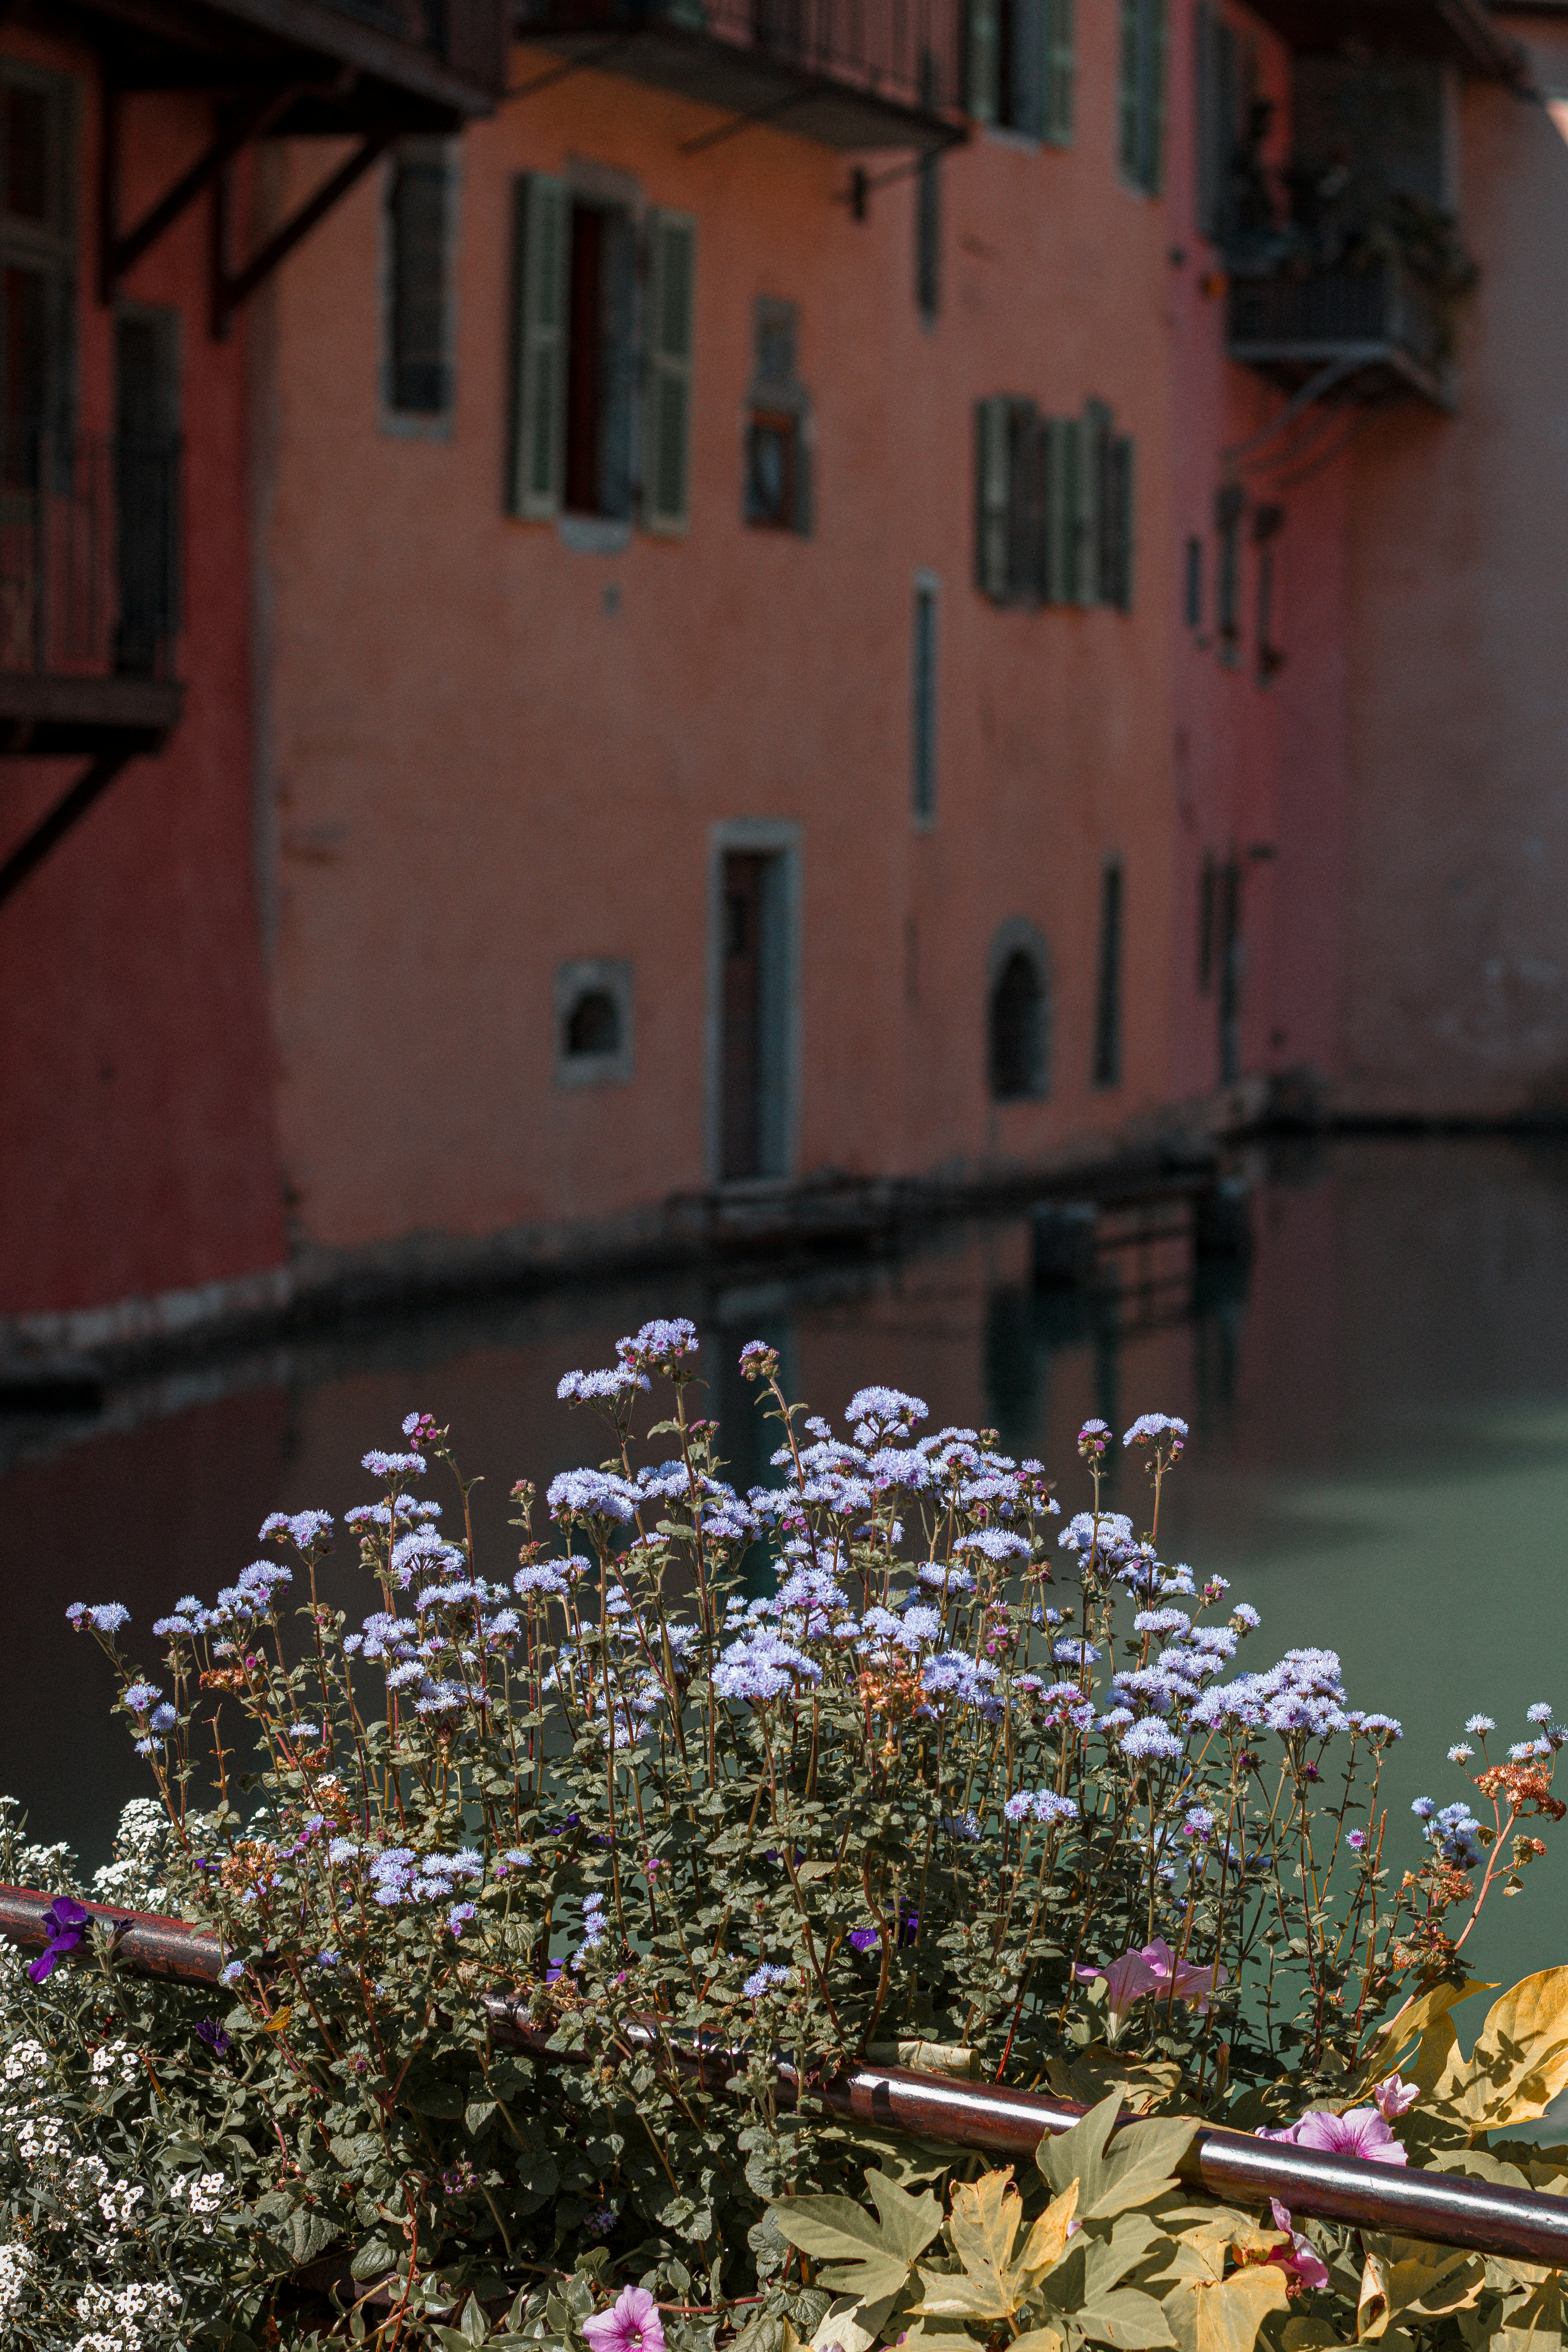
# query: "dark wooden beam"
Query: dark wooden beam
{"points": [[230, 289], [120, 249], [67, 812]]}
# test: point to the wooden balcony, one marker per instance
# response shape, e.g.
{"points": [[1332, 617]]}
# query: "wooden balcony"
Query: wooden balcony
{"points": [[1379, 328], [849, 74], [342, 65]]}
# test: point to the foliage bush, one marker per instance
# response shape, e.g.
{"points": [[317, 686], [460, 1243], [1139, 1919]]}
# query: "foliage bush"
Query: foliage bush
{"points": [[884, 1761]]}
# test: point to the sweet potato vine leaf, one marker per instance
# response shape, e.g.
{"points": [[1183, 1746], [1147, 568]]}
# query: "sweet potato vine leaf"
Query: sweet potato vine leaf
{"points": [[858, 2254]]}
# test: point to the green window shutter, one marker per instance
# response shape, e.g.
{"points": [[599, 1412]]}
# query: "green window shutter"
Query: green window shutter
{"points": [[1116, 587], [1157, 35], [1129, 84], [1028, 64], [1093, 436], [541, 232], [1207, 114], [1026, 518], [981, 60], [666, 461], [1061, 71], [1056, 438], [993, 498]]}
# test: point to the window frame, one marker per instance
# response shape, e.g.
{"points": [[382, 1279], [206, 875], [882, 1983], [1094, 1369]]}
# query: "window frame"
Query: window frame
{"points": [[582, 976], [1019, 935], [426, 153]]}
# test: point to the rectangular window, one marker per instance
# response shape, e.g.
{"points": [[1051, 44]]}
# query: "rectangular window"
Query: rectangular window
{"points": [[1219, 120], [1022, 67], [1054, 506], [927, 238], [1108, 992], [579, 372], [1267, 522], [37, 275], [1193, 586], [418, 221], [146, 455], [922, 700], [756, 982], [1142, 95], [1229, 507], [777, 483]]}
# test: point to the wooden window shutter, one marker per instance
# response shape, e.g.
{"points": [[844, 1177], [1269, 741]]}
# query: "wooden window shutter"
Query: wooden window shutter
{"points": [[541, 232], [1026, 516], [981, 59], [1056, 444], [1157, 34], [1028, 67], [1061, 71], [666, 462], [1117, 587], [993, 498], [1129, 84], [1090, 488], [1206, 113]]}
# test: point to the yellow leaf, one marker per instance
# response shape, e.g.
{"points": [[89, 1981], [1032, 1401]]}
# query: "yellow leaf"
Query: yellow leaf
{"points": [[280, 2022], [1404, 2275], [1411, 2023], [1036, 2339], [1047, 2241], [1307, 2334], [1230, 2315], [927, 2057], [1520, 2061], [983, 2226]]}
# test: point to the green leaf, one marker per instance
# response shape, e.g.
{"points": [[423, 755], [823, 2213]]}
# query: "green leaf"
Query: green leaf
{"points": [[373, 2260], [305, 2236], [1139, 2165], [473, 2323], [1129, 2320], [861, 2256], [477, 2115]]}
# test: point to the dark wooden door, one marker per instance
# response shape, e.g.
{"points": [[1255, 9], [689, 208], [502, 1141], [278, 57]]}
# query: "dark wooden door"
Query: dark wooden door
{"points": [[741, 1109]]}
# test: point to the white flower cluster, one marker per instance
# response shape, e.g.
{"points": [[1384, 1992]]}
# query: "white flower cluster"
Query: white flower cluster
{"points": [[118, 2205], [117, 2060], [118, 2319], [16, 2278], [203, 2193], [134, 1878], [24, 2060], [40, 2140]]}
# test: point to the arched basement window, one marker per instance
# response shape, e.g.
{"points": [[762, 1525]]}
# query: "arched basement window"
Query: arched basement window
{"points": [[594, 1023], [1018, 1027]]}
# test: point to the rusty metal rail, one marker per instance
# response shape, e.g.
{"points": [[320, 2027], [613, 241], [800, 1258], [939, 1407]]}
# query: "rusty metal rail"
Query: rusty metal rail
{"points": [[1435, 2206]]}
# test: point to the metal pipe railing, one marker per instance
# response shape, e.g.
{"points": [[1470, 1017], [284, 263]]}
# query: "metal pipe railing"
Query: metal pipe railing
{"points": [[1446, 2210]]}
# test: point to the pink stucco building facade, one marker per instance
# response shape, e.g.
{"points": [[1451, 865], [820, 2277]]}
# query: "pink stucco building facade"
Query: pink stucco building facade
{"points": [[789, 612]]}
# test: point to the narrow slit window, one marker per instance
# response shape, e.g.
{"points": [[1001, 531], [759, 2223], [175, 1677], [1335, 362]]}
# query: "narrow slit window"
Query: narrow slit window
{"points": [[420, 205], [922, 716], [1017, 1026], [1108, 995]]}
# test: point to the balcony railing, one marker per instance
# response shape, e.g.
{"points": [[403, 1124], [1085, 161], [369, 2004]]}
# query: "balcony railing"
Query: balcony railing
{"points": [[1379, 319], [88, 586], [847, 73]]}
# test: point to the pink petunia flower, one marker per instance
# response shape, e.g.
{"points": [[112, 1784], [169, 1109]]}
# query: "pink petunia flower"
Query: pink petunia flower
{"points": [[1152, 1970], [1363, 2132], [632, 2324], [1303, 2266], [1392, 2096]]}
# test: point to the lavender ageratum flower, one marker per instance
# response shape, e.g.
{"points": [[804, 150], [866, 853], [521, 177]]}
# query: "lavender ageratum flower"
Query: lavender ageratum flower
{"points": [[584, 1388], [764, 1978], [919, 1625], [166, 1628], [458, 1916], [232, 1974], [878, 1412], [393, 1465], [1152, 1743], [1478, 1726], [953, 1674], [660, 1345], [162, 1720], [1162, 1621], [1540, 1713], [632, 2324], [1356, 1840], [1245, 1617], [1150, 1427], [67, 1922], [139, 1697], [591, 1494], [996, 1543], [107, 1617]]}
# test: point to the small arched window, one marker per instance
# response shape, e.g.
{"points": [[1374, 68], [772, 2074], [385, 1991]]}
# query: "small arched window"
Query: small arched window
{"points": [[1018, 1038], [594, 1023]]}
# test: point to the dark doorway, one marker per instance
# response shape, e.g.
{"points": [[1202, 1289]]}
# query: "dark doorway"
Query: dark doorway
{"points": [[144, 460], [1017, 1030], [753, 1140]]}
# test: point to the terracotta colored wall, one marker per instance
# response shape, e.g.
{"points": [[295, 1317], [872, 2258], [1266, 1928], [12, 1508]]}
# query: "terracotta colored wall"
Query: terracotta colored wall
{"points": [[1260, 765], [136, 1151], [478, 770], [1456, 991]]}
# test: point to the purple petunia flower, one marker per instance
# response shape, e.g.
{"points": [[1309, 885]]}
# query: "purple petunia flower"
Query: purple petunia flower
{"points": [[632, 2324], [67, 1922], [213, 2034]]}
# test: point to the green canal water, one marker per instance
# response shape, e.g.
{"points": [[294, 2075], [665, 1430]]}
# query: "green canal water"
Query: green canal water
{"points": [[1379, 1455]]}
